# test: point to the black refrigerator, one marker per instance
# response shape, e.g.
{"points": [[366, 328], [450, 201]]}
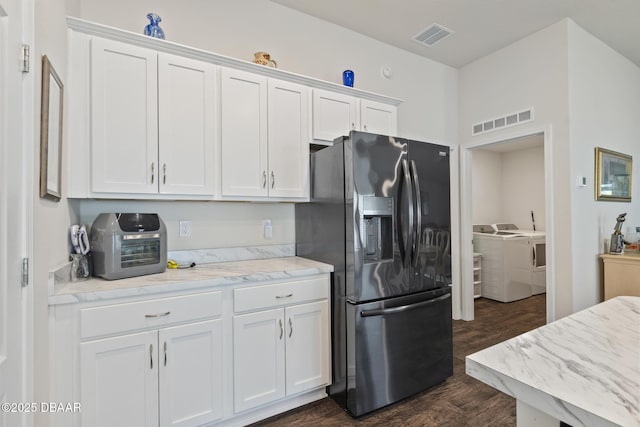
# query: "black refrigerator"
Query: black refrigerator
{"points": [[380, 213]]}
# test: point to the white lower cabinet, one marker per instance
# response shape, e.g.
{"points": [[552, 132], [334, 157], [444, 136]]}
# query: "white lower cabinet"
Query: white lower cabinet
{"points": [[190, 360], [119, 387], [167, 377], [258, 362], [279, 352], [228, 356]]}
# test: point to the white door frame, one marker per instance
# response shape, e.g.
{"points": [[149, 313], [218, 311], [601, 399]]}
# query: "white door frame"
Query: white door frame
{"points": [[466, 219], [16, 211]]}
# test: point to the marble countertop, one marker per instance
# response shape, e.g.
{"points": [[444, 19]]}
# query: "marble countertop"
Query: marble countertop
{"points": [[199, 277], [583, 369]]}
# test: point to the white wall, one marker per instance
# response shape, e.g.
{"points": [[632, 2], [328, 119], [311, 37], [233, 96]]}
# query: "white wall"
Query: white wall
{"points": [[604, 102], [507, 186], [530, 73], [523, 188], [302, 44], [50, 219], [588, 95], [487, 183]]}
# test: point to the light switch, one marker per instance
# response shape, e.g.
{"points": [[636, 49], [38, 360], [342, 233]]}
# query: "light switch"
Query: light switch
{"points": [[581, 181]]}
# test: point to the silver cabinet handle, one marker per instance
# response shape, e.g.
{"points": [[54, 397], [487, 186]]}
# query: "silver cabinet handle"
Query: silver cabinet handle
{"points": [[151, 356], [164, 173], [284, 296], [290, 327], [353, 126], [165, 353], [273, 179], [153, 172], [365, 127], [264, 179], [158, 314], [281, 329]]}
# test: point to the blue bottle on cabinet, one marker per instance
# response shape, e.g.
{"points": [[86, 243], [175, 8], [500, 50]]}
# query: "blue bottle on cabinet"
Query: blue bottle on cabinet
{"points": [[153, 29]]}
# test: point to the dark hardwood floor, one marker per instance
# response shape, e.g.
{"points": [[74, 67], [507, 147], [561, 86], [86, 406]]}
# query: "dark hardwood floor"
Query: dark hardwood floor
{"points": [[459, 401]]}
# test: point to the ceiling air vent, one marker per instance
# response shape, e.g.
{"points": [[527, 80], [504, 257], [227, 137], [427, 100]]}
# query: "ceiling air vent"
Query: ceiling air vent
{"points": [[504, 121], [432, 34]]}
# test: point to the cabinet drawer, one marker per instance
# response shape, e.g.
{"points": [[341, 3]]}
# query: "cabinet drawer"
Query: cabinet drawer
{"points": [[154, 313], [280, 294]]}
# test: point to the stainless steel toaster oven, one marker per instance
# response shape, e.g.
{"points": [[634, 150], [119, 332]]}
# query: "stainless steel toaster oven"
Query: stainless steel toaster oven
{"points": [[128, 244]]}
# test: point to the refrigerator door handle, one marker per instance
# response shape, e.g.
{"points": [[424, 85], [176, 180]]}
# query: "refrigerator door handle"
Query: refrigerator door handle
{"points": [[406, 256], [403, 308], [418, 214]]}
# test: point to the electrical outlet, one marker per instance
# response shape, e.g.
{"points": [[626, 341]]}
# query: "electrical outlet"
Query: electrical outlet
{"points": [[185, 227], [267, 229]]}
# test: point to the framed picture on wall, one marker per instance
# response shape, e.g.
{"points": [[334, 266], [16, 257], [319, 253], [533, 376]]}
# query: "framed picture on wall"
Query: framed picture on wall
{"points": [[613, 176], [50, 132]]}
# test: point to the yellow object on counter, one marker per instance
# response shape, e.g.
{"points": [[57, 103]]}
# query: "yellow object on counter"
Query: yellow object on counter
{"points": [[172, 264]]}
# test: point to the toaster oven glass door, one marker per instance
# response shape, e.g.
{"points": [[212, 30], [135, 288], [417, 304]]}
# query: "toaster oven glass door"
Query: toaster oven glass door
{"points": [[139, 250]]}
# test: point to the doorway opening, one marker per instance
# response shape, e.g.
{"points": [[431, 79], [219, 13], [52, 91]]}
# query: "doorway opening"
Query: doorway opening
{"points": [[505, 192]]}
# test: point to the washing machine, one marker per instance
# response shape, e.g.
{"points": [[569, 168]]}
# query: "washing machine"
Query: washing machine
{"points": [[537, 255], [506, 263]]}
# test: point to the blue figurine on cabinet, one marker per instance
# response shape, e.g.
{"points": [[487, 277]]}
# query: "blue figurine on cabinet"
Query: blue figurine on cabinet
{"points": [[153, 29]]}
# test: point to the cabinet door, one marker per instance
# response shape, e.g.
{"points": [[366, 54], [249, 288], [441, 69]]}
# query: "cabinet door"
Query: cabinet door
{"points": [[376, 117], [289, 138], [243, 129], [307, 349], [334, 115], [191, 373], [119, 381], [258, 358], [124, 118], [186, 99]]}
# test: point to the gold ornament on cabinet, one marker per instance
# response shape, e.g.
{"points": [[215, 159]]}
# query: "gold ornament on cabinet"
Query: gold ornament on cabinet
{"points": [[263, 58]]}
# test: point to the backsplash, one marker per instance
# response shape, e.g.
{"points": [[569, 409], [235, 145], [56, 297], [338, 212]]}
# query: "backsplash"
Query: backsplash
{"points": [[206, 256], [214, 224]]}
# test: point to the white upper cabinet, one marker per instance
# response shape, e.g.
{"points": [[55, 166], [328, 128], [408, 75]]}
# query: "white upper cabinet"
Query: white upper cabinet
{"points": [[376, 117], [289, 136], [264, 136], [186, 112], [243, 125], [152, 121], [336, 114], [124, 118]]}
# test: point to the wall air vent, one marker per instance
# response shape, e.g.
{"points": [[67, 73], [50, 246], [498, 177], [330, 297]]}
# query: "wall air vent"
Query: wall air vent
{"points": [[432, 34], [503, 121]]}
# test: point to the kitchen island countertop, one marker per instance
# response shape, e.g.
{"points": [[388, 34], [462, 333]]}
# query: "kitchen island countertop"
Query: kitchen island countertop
{"points": [[583, 369], [202, 276]]}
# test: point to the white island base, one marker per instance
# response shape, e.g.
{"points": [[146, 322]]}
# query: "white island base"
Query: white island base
{"points": [[583, 369]]}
